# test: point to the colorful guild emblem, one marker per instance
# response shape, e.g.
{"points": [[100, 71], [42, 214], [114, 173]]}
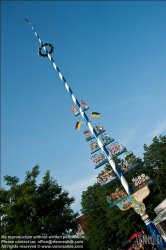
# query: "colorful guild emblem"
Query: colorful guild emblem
{"points": [[75, 111], [130, 202], [83, 104], [116, 197], [124, 202], [141, 181], [99, 160], [94, 146], [99, 128], [116, 149], [128, 164], [135, 201], [88, 137], [106, 177], [106, 139]]}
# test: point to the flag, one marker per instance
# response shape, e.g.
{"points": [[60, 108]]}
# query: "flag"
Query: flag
{"points": [[95, 114], [78, 125]]}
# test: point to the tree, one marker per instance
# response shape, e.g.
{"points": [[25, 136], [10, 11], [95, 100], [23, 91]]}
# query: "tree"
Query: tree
{"points": [[107, 228], [31, 209], [95, 218], [155, 166]]}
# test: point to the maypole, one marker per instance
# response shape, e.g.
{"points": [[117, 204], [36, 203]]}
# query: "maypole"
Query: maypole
{"points": [[107, 154]]}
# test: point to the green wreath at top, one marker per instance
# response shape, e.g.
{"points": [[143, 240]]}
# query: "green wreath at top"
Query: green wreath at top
{"points": [[44, 45]]}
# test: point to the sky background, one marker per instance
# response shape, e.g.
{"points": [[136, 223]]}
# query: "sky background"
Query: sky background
{"points": [[113, 56]]}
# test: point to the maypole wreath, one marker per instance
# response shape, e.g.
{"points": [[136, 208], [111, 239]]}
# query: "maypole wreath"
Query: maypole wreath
{"points": [[44, 45]]}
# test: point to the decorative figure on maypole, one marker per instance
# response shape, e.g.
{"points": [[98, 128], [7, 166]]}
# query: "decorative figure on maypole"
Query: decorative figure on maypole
{"points": [[83, 104], [88, 136], [75, 111], [124, 199]]}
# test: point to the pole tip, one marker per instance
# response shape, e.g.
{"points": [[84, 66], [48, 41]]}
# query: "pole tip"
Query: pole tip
{"points": [[26, 20]]}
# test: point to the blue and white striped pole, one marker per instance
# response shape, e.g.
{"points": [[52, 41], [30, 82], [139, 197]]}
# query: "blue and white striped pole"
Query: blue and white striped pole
{"points": [[88, 122], [151, 227], [161, 243]]}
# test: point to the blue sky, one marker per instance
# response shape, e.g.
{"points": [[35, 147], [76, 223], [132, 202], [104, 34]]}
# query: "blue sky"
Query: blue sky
{"points": [[113, 56]]}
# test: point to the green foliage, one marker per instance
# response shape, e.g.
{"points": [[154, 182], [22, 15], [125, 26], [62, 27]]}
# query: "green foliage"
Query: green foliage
{"points": [[155, 165], [107, 228], [31, 209]]}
